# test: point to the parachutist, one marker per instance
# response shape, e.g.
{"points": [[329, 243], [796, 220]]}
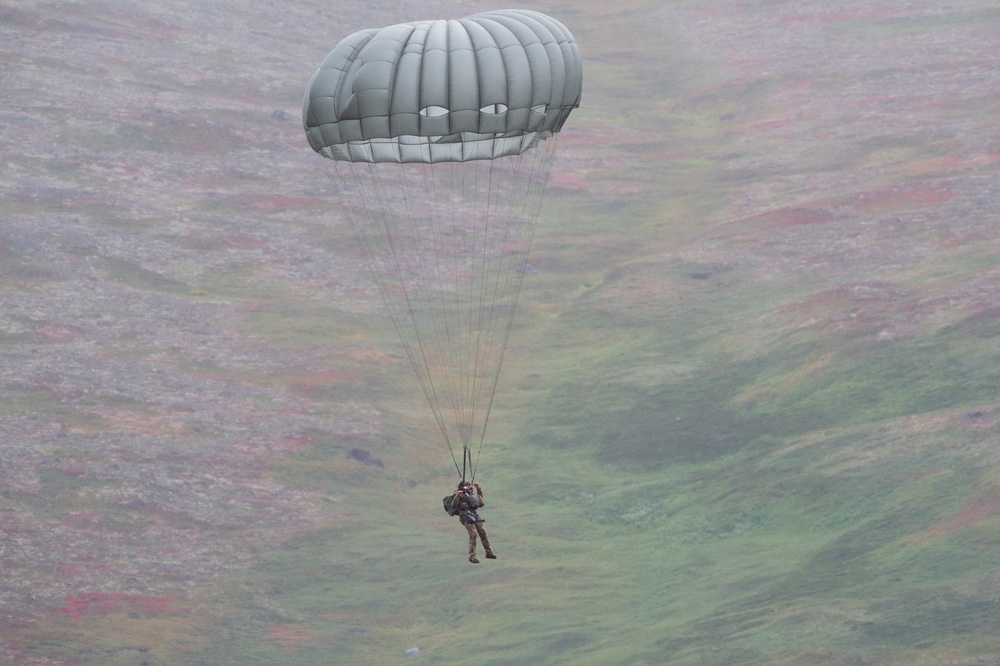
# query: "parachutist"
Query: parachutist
{"points": [[467, 498]]}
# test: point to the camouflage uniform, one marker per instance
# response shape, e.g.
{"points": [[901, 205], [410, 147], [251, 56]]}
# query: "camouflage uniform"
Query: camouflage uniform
{"points": [[473, 523]]}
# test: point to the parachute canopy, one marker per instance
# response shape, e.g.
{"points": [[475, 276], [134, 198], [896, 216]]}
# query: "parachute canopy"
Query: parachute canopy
{"points": [[480, 87]]}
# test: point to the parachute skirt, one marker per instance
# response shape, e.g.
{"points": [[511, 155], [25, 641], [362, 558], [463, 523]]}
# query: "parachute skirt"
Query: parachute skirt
{"points": [[463, 147]]}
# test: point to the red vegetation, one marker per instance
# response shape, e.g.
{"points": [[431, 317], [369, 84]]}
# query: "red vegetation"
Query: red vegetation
{"points": [[60, 333], [904, 197], [104, 603], [978, 508], [289, 635], [791, 216]]}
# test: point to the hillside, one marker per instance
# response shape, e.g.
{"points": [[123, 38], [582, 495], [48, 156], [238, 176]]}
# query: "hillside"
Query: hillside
{"points": [[749, 413]]}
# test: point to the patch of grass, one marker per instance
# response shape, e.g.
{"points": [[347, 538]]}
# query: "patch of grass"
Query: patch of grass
{"points": [[736, 557], [701, 413]]}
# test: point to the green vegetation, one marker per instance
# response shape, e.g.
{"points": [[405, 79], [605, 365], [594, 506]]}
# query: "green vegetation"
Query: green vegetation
{"points": [[691, 508], [751, 555]]}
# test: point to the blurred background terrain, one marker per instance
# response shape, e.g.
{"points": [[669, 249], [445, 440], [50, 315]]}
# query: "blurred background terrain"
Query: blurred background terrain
{"points": [[750, 410]]}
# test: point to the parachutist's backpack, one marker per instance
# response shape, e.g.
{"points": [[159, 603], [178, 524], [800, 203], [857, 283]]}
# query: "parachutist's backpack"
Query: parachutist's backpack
{"points": [[473, 501]]}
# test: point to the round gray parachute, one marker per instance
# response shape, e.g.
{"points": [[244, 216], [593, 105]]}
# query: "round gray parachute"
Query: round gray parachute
{"points": [[475, 88]]}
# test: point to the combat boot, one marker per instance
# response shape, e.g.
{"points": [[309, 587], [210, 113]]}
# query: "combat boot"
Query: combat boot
{"points": [[474, 560], [486, 544]]}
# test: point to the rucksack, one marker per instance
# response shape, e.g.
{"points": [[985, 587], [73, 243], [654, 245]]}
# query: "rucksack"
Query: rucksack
{"points": [[452, 511]]}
